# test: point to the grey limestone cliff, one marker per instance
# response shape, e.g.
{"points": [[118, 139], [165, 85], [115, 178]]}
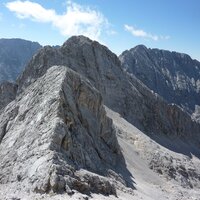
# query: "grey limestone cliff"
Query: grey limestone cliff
{"points": [[174, 76], [55, 136], [121, 92]]}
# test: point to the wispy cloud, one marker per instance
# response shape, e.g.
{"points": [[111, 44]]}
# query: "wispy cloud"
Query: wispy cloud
{"points": [[141, 33], [111, 32], [77, 20]]}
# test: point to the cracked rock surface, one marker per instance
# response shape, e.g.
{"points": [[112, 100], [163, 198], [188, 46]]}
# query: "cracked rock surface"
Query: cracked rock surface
{"points": [[173, 75], [57, 140], [56, 127]]}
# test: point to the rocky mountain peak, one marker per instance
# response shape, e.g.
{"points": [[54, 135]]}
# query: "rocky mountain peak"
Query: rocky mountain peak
{"points": [[84, 44], [174, 76], [79, 53], [103, 70], [56, 133], [139, 47], [17, 41], [78, 40]]}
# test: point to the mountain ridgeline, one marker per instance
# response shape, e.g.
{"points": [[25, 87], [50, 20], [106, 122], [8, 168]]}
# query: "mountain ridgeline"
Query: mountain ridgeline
{"points": [[174, 76], [122, 93], [14, 55], [57, 133]]}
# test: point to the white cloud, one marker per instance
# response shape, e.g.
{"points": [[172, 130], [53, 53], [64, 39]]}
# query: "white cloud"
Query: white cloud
{"points": [[77, 20], [141, 33]]}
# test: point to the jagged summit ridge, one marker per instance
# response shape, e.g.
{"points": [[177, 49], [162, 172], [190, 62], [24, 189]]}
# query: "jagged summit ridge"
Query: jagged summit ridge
{"points": [[78, 40], [120, 92], [174, 76], [79, 47]]}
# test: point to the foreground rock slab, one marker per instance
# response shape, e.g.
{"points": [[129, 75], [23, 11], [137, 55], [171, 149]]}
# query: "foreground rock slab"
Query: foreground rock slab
{"points": [[56, 127]]}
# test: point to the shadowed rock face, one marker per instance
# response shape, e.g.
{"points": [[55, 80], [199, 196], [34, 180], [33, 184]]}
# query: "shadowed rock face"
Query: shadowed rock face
{"points": [[14, 55], [7, 93], [172, 75], [56, 127]]}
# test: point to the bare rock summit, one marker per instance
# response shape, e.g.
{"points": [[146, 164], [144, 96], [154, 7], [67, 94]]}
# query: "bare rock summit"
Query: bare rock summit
{"points": [[76, 122], [172, 75]]}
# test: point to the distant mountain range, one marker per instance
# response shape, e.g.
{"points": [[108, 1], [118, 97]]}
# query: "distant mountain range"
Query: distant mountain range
{"points": [[174, 76], [14, 55]]}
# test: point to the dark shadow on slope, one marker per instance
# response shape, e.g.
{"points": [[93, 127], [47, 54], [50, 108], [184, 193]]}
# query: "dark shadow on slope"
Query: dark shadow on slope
{"points": [[89, 140], [176, 144], [167, 124], [125, 173]]}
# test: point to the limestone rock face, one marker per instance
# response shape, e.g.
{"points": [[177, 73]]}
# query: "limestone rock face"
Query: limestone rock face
{"points": [[54, 128], [14, 55], [90, 59], [55, 135], [121, 92], [174, 76]]}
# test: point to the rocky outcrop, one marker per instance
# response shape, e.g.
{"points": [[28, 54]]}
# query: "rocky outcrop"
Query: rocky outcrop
{"points": [[173, 160], [14, 55], [183, 170], [7, 93], [121, 92], [55, 136], [174, 76]]}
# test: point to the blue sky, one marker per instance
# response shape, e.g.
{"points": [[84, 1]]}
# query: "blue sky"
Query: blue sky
{"points": [[119, 24]]}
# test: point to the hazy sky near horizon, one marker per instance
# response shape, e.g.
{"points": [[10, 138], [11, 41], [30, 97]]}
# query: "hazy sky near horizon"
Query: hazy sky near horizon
{"points": [[118, 24]]}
